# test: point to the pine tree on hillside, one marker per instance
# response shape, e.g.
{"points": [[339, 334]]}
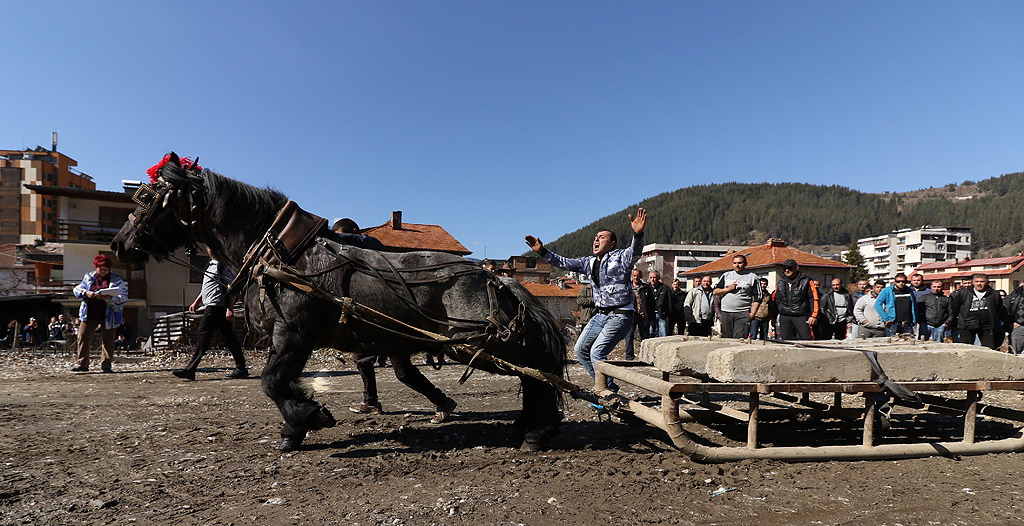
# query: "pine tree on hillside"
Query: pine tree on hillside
{"points": [[855, 258]]}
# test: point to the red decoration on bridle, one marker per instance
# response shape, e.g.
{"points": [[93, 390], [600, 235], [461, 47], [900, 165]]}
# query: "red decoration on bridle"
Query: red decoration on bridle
{"points": [[186, 163]]}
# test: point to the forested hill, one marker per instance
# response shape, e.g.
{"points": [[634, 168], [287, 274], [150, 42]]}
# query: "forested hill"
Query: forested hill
{"points": [[808, 214]]}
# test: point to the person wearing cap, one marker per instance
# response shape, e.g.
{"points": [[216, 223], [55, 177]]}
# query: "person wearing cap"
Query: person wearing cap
{"points": [[407, 373], [796, 299], [740, 293], [103, 295]]}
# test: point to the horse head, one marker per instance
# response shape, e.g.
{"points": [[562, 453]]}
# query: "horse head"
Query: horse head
{"points": [[169, 213]]}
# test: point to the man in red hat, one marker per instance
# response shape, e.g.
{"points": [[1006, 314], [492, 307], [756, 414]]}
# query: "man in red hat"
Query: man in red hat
{"points": [[103, 296]]}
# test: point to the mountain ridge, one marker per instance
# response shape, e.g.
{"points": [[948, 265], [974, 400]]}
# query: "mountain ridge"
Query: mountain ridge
{"points": [[807, 214]]}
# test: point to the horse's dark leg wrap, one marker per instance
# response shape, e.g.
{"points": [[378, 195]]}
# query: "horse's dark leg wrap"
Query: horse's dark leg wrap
{"points": [[291, 438], [280, 382], [540, 419]]}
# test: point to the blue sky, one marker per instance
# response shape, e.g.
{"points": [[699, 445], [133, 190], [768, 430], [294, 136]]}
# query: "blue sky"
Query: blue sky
{"points": [[498, 119]]}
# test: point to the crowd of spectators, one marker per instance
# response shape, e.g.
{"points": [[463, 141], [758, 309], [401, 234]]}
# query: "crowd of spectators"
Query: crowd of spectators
{"points": [[32, 333], [740, 305]]}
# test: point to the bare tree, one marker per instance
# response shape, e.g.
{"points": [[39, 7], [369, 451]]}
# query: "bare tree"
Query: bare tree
{"points": [[14, 281]]}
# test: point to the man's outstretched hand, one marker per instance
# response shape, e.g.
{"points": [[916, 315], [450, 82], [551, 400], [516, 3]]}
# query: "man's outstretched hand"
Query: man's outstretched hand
{"points": [[639, 222], [535, 244]]}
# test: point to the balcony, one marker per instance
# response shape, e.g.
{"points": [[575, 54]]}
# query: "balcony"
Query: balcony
{"points": [[87, 231]]}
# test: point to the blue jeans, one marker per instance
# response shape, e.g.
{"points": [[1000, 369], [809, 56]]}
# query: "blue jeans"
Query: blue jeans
{"points": [[759, 329], [659, 327], [639, 326], [598, 339], [899, 327], [934, 334]]}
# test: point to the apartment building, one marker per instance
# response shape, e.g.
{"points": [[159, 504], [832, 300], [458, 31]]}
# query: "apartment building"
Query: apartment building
{"points": [[1004, 273], [27, 216], [905, 250]]}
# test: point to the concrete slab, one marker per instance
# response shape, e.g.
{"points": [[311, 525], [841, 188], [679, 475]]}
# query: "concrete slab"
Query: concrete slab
{"points": [[903, 363], [727, 360], [683, 355]]}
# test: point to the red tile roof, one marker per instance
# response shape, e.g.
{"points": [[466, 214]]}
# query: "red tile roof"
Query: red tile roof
{"points": [[1011, 260], [767, 255], [1013, 264], [543, 289], [413, 236]]}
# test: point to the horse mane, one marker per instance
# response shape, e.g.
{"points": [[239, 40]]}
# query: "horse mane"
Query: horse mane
{"points": [[255, 203], [238, 209]]}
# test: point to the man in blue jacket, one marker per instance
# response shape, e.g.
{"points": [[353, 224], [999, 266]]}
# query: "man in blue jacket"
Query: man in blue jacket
{"points": [[897, 307], [609, 270]]}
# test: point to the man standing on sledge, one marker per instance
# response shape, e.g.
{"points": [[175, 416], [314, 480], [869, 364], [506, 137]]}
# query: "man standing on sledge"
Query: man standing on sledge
{"points": [[609, 270]]}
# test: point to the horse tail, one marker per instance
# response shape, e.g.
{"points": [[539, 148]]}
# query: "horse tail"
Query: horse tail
{"points": [[541, 330]]}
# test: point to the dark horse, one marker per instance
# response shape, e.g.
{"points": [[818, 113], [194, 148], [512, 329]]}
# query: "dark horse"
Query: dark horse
{"points": [[421, 297]]}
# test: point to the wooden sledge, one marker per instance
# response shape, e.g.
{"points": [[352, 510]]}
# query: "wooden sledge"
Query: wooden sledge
{"points": [[791, 399]]}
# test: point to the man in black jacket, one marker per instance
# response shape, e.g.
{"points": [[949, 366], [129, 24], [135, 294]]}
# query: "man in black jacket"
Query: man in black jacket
{"points": [[662, 304], [1014, 304], [933, 308], [837, 311], [676, 314], [797, 302], [978, 311]]}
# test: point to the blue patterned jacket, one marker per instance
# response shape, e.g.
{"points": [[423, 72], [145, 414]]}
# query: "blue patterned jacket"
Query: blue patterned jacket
{"points": [[115, 304], [614, 289]]}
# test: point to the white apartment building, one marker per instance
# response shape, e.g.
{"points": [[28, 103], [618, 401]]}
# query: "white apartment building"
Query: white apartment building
{"points": [[905, 250], [674, 259]]}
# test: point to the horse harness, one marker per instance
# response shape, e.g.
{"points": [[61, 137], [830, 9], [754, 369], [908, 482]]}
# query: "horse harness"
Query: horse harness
{"points": [[295, 230], [157, 198]]}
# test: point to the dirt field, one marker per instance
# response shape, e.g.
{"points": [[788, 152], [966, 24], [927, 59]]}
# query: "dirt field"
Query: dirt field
{"points": [[142, 447]]}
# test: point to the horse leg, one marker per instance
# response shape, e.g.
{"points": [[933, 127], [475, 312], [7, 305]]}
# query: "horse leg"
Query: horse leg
{"points": [[280, 381], [540, 418]]}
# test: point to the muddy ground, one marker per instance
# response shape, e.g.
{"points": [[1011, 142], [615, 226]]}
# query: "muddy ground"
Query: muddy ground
{"points": [[143, 447]]}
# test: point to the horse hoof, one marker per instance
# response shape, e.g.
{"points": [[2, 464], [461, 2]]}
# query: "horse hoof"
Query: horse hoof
{"points": [[530, 447], [291, 443], [321, 419]]}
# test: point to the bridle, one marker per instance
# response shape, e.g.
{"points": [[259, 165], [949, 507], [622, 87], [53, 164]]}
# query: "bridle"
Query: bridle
{"points": [[158, 200]]}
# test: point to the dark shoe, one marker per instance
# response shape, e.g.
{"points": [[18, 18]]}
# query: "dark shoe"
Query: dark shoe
{"points": [[239, 372], [184, 374], [444, 412], [80, 368], [366, 409], [107, 370]]}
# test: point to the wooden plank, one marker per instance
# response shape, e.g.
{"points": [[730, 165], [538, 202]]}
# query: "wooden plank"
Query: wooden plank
{"points": [[754, 412], [971, 417], [870, 409]]}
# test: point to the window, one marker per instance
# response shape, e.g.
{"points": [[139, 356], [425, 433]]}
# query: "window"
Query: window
{"points": [[113, 216], [531, 262], [198, 263]]}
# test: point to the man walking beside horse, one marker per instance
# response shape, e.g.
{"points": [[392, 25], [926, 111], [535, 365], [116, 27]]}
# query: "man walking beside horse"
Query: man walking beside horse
{"points": [[608, 269]]}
